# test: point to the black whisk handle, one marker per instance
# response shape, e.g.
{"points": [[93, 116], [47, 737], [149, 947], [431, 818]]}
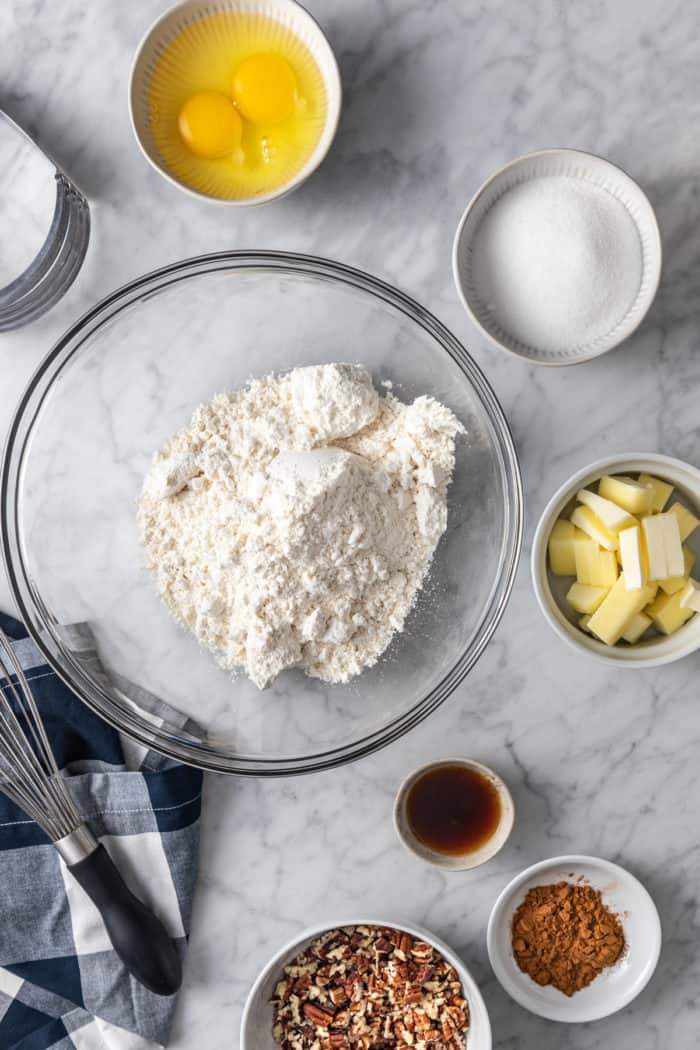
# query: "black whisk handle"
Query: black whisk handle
{"points": [[138, 937]]}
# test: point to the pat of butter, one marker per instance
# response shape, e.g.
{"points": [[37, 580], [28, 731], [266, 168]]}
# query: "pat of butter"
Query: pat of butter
{"points": [[667, 613], [677, 583], [617, 610], [563, 541], [584, 518], [636, 627], [663, 546], [629, 494], [613, 517], [690, 596], [633, 558], [585, 599], [594, 566], [687, 522], [661, 491]]}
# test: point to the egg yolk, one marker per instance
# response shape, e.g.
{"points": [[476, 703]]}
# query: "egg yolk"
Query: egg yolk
{"points": [[209, 125], [264, 88]]}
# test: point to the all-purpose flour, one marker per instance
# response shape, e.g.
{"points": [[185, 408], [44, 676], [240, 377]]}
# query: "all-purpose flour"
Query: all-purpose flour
{"points": [[293, 522]]}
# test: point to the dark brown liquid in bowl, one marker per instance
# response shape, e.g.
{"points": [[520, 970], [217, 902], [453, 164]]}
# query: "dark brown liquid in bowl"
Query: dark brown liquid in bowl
{"points": [[453, 809]]}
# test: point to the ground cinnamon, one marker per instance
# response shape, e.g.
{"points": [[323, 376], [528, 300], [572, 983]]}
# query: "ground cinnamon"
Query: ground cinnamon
{"points": [[565, 936]]}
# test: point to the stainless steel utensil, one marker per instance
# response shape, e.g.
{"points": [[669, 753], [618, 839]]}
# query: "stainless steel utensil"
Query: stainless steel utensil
{"points": [[49, 274], [29, 776]]}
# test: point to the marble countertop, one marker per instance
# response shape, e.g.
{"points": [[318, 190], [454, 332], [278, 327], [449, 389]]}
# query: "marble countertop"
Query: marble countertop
{"points": [[437, 95]]}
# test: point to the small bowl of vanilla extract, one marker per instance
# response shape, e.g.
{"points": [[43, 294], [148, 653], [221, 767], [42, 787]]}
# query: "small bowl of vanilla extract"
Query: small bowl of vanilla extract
{"points": [[455, 813]]}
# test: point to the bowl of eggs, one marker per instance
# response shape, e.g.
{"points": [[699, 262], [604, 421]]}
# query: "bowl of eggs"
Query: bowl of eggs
{"points": [[234, 101], [615, 560]]}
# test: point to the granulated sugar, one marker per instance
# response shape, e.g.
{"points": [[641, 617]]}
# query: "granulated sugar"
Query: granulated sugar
{"points": [[292, 523], [557, 262]]}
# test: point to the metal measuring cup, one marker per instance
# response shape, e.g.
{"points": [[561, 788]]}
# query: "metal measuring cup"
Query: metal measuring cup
{"points": [[35, 195]]}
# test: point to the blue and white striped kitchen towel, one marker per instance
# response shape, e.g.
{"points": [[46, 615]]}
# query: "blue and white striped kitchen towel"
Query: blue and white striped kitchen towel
{"points": [[61, 984]]}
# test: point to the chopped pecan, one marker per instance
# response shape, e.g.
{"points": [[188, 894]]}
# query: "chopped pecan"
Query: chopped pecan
{"points": [[317, 1014], [412, 994]]}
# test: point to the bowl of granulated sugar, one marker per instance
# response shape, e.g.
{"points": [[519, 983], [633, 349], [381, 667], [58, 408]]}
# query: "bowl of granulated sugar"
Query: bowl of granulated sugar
{"points": [[557, 257]]}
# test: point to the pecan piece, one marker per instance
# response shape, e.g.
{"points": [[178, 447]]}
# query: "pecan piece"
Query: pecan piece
{"points": [[318, 1015]]}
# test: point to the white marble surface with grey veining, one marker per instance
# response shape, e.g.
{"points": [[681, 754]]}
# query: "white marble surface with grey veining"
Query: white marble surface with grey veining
{"points": [[437, 95]]}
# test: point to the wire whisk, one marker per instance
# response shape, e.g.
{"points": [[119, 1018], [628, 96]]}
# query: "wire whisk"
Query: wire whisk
{"points": [[30, 778], [28, 771]]}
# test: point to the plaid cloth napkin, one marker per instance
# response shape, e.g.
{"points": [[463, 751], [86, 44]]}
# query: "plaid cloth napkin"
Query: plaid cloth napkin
{"points": [[61, 984]]}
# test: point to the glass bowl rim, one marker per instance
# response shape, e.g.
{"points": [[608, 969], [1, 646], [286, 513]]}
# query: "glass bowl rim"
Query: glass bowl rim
{"points": [[37, 619]]}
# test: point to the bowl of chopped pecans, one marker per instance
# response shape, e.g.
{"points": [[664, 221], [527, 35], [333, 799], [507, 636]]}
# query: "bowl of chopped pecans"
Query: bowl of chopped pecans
{"points": [[364, 984]]}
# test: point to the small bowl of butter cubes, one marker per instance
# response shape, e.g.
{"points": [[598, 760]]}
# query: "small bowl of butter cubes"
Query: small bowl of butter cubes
{"points": [[616, 560]]}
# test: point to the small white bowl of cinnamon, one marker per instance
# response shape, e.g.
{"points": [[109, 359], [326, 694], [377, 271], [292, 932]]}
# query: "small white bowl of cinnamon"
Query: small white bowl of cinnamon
{"points": [[574, 938]]}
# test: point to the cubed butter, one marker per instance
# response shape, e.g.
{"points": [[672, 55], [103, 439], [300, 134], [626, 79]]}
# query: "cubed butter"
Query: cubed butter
{"points": [[634, 630], [584, 519], [664, 549], [585, 599], [677, 583], [661, 491], [562, 541], [627, 493], [616, 611], [633, 556], [687, 522], [690, 596], [675, 561], [595, 567], [667, 613], [613, 517]]}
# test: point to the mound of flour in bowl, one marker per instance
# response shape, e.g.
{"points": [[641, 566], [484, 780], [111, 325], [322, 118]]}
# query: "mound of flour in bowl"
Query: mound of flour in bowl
{"points": [[293, 522]]}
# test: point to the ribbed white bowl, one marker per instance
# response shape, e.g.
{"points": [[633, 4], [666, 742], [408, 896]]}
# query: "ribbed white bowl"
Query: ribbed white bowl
{"points": [[577, 165], [650, 653], [256, 1023], [295, 18]]}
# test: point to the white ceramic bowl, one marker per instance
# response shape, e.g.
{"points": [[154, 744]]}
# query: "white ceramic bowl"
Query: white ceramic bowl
{"points": [[616, 986], [549, 591], [256, 1023], [579, 165], [465, 860], [295, 18]]}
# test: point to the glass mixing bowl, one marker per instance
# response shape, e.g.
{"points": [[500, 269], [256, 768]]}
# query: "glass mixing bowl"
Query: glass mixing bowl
{"points": [[117, 385]]}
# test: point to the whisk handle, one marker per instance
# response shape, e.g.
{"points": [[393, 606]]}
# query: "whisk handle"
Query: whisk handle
{"points": [[138, 937]]}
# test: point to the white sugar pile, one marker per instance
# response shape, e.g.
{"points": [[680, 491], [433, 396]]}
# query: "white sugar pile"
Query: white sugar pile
{"points": [[557, 262]]}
